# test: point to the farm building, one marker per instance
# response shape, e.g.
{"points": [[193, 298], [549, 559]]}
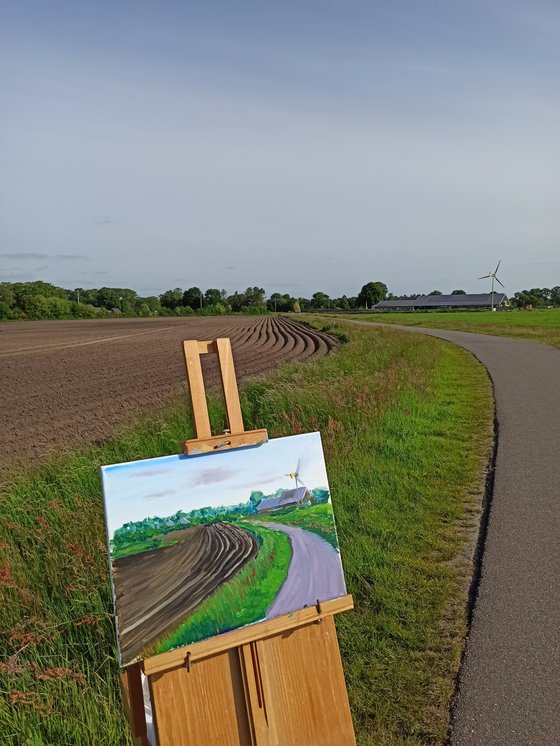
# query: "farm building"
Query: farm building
{"points": [[469, 300], [288, 499]]}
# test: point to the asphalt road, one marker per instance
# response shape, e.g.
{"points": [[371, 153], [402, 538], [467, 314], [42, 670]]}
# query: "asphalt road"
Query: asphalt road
{"points": [[509, 686], [315, 572]]}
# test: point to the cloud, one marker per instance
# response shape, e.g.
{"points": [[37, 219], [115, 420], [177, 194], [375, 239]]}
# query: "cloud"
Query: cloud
{"points": [[95, 272], [103, 220], [160, 494], [37, 256], [211, 476], [42, 268]]}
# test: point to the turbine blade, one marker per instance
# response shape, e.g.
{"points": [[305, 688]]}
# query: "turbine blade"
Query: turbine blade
{"points": [[484, 277], [501, 283], [298, 466], [498, 266]]}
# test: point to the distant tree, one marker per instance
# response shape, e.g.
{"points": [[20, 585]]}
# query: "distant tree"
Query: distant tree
{"points": [[122, 298], [82, 295], [320, 300], [435, 292], [171, 298], [7, 294], [235, 301], [533, 297], [297, 307], [191, 298], [152, 302], [215, 309], [555, 295], [5, 311], [253, 297], [457, 292], [281, 303], [212, 296], [342, 303], [371, 293]]}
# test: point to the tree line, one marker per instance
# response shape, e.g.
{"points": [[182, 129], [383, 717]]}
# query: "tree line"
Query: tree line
{"points": [[42, 300]]}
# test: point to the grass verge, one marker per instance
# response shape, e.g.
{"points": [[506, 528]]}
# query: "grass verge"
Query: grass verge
{"points": [[535, 326], [406, 425], [318, 519], [242, 600]]}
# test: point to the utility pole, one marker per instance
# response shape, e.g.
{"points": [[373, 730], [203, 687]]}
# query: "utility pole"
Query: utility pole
{"points": [[201, 300], [78, 294]]}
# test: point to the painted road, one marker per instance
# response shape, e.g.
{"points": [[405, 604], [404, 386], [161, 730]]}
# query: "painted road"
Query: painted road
{"points": [[156, 590], [315, 572], [509, 685]]}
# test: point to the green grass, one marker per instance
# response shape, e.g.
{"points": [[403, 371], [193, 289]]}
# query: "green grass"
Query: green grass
{"points": [[318, 519], [536, 326], [406, 425], [242, 600], [137, 547]]}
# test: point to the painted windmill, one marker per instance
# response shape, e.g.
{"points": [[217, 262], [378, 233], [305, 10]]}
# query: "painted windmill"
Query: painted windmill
{"points": [[289, 498], [295, 474]]}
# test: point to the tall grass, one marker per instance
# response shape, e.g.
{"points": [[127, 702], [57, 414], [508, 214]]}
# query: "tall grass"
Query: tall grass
{"points": [[406, 424]]}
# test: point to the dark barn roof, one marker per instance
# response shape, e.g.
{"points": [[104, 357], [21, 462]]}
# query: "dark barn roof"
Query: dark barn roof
{"points": [[396, 304], [469, 300], [290, 497]]}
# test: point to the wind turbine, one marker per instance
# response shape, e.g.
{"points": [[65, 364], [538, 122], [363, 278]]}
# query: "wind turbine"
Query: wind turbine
{"points": [[295, 474], [494, 276]]}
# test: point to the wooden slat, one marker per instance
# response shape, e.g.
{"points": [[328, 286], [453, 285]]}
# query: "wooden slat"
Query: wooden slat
{"points": [[202, 706], [245, 635], [229, 385], [196, 389], [257, 695], [217, 443], [307, 687]]}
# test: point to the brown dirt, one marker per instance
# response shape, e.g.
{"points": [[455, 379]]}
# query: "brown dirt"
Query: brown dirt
{"points": [[156, 590], [73, 382]]}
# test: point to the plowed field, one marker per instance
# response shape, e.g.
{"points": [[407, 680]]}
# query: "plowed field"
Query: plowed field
{"points": [[68, 382]]}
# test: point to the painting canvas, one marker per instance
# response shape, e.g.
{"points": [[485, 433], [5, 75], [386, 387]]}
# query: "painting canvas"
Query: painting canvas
{"points": [[200, 545]]}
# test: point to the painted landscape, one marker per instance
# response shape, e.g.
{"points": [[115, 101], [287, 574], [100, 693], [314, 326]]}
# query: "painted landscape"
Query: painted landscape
{"points": [[206, 544]]}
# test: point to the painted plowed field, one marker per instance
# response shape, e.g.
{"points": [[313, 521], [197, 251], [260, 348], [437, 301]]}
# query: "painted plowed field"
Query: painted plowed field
{"points": [[68, 382]]}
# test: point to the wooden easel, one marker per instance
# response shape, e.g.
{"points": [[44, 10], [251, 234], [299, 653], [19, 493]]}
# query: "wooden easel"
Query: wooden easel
{"points": [[276, 683]]}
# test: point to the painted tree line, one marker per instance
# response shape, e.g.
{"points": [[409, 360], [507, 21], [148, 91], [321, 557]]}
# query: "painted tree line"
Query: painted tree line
{"points": [[136, 531], [42, 300]]}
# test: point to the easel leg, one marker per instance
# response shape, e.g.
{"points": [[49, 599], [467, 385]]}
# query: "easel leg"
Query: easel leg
{"points": [[133, 695]]}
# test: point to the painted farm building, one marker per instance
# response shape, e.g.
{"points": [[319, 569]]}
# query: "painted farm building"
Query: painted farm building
{"points": [[469, 300], [288, 499]]}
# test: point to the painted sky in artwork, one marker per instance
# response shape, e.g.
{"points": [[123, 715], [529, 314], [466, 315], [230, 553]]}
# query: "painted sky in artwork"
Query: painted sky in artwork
{"points": [[161, 486]]}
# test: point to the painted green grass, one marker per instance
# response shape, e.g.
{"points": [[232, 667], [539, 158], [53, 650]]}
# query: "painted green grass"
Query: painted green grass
{"points": [[243, 599], [141, 546], [536, 326], [318, 519], [406, 426]]}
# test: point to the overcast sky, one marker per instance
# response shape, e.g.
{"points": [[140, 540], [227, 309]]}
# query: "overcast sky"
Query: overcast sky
{"points": [[297, 145], [162, 486]]}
